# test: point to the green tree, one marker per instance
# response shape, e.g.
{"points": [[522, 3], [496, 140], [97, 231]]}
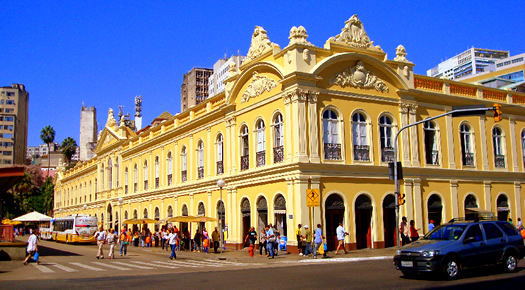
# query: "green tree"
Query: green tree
{"points": [[48, 136], [69, 147], [47, 191]]}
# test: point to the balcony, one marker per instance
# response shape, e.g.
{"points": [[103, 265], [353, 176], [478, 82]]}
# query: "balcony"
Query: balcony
{"points": [[387, 154], [278, 154], [261, 158], [170, 179], [157, 182], [200, 172], [220, 167], [184, 175], [332, 151], [245, 162], [468, 159], [362, 153], [145, 185], [499, 161]]}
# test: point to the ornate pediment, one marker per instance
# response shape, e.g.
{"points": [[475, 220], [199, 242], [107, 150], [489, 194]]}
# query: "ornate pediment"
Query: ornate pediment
{"points": [[258, 86], [260, 44], [359, 77], [354, 34]]}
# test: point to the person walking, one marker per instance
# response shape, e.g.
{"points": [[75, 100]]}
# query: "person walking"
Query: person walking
{"points": [[112, 241], [101, 239], [32, 247], [431, 226], [308, 239], [404, 231], [341, 234], [216, 237], [318, 240], [414, 235], [251, 238], [270, 238], [123, 243], [197, 241], [262, 243], [299, 237], [172, 241]]}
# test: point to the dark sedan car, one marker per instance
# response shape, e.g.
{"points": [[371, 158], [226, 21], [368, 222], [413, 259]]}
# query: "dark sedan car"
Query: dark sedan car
{"points": [[452, 247]]}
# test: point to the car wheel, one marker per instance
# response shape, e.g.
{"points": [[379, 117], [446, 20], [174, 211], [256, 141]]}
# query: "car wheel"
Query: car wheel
{"points": [[451, 268], [510, 262]]}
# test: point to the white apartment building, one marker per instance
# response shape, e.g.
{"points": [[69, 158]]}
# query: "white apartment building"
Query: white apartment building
{"points": [[220, 73]]}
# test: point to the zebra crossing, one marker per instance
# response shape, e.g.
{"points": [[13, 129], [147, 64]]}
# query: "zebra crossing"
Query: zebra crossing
{"points": [[71, 267]]}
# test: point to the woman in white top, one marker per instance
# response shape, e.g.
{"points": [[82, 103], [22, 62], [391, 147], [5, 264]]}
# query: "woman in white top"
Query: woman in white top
{"points": [[172, 240], [112, 241], [32, 247]]}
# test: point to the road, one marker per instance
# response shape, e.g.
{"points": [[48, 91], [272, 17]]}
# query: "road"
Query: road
{"points": [[76, 266]]}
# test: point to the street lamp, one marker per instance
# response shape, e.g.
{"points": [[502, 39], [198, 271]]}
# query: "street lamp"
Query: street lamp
{"points": [[221, 184]]}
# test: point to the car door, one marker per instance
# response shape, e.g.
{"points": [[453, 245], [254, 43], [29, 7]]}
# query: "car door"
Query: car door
{"points": [[496, 241], [472, 246]]}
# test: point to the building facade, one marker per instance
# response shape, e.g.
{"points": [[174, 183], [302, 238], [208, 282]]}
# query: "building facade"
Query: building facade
{"points": [[306, 117], [88, 132], [14, 104], [194, 88], [220, 73]]}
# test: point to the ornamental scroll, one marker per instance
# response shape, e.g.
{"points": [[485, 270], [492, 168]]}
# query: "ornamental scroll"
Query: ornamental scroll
{"points": [[359, 77], [258, 86]]}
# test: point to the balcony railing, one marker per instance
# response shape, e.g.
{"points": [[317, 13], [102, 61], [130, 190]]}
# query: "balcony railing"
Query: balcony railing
{"points": [[261, 158], [332, 151], [278, 154], [500, 161], [157, 182], [135, 187], [125, 189], [245, 162], [468, 159], [200, 171], [434, 158], [220, 167], [362, 153], [387, 154], [170, 179], [184, 175], [145, 185]]}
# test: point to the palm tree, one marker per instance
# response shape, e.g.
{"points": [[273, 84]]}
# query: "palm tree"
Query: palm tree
{"points": [[48, 136], [69, 147]]}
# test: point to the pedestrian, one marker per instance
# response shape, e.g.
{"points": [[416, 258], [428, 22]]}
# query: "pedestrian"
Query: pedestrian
{"points": [[414, 236], [148, 240], [308, 239], [136, 239], [32, 247], [404, 231], [157, 239], [197, 241], [431, 226], [318, 240], [112, 241], [299, 237], [277, 239], [101, 239], [205, 244], [251, 238], [519, 226], [172, 241], [142, 237], [341, 234], [216, 237], [123, 242], [263, 243], [270, 238]]}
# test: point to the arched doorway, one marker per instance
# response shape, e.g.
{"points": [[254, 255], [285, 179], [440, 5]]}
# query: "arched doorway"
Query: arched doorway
{"points": [[279, 209], [246, 215], [221, 217], [363, 222], [184, 228], [110, 216], [435, 209], [157, 218], [335, 212], [201, 211], [116, 221], [389, 220], [262, 211], [503, 207], [470, 203]]}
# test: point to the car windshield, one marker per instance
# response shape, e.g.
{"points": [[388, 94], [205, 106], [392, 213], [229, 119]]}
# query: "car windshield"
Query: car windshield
{"points": [[446, 232]]}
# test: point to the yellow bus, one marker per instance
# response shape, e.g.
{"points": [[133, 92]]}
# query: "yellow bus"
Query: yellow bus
{"points": [[74, 229]]}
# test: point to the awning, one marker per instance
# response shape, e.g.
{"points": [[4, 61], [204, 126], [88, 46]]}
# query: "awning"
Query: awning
{"points": [[33, 217]]}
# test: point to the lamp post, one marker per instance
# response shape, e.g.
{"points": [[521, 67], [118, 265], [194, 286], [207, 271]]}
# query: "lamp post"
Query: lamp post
{"points": [[120, 200], [221, 184]]}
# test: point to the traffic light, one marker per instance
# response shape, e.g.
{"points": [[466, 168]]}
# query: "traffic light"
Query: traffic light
{"points": [[497, 113], [401, 199]]}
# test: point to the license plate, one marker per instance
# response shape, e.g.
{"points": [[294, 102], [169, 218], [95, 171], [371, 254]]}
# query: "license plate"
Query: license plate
{"points": [[407, 264]]}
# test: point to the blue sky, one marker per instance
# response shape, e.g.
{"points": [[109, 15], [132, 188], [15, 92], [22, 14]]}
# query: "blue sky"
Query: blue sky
{"points": [[104, 53]]}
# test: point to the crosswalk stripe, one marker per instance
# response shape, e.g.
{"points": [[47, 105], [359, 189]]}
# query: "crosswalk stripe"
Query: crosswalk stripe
{"points": [[43, 268], [156, 265], [226, 262], [175, 263], [207, 264], [86, 266], [64, 268], [111, 266], [133, 266]]}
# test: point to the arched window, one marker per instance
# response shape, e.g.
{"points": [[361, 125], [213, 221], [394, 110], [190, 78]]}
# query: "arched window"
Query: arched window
{"points": [[170, 211], [200, 159], [431, 143], [220, 154], [183, 157], [135, 177], [261, 143], [170, 168], [360, 137], [80, 193], [145, 213], [90, 191], [125, 215], [126, 178], [201, 210], [499, 155], [387, 140], [117, 173], [278, 139], [467, 151], [145, 175], [135, 215], [245, 148], [157, 214], [332, 143], [102, 176], [157, 177], [95, 189], [110, 174], [184, 210]]}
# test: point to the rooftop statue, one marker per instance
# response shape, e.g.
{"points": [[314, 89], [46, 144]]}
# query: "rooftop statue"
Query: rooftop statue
{"points": [[112, 123], [354, 34], [260, 44]]}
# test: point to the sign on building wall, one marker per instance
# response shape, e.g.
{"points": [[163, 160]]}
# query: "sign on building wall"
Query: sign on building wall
{"points": [[312, 197]]}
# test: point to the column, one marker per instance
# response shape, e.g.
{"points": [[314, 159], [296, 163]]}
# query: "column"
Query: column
{"points": [[228, 212], [288, 124], [190, 210], [488, 199], [176, 207], [454, 205], [517, 194], [450, 142], [300, 185], [513, 146], [414, 138], [175, 170], [298, 99], [404, 108], [208, 161], [483, 138], [418, 205], [409, 200], [234, 229], [210, 212], [163, 214], [189, 157], [163, 174], [313, 127]]}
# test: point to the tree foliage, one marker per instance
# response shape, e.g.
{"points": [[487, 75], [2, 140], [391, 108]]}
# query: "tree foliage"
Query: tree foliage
{"points": [[69, 147]]}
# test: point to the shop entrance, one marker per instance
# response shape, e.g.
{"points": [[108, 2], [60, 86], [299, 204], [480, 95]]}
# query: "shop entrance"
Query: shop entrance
{"points": [[363, 222], [435, 209], [503, 208], [389, 220], [335, 213], [246, 219]]}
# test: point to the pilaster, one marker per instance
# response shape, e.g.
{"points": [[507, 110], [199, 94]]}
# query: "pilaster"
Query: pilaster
{"points": [[454, 205], [414, 139], [190, 163], [403, 109], [313, 127], [513, 145], [409, 200], [418, 204], [450, 142], [191, 210], [299, 131], [483, 139], [517, 194], [288, 124], [487, 186], [208, 161], [175, 170]]}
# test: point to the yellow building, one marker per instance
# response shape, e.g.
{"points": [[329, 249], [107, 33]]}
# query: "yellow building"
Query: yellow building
{"points": [[306, 117]]}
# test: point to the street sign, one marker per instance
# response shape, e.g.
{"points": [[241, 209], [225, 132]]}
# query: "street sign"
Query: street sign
{"points": [[312, 197]]}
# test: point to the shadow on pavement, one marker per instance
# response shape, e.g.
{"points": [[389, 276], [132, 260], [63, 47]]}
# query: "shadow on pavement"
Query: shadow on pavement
{"points": [[46, 251], [469, 273]]}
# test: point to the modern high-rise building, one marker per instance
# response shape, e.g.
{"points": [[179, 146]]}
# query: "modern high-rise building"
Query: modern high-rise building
{"points": [[470, 62], [14, 103], [220, 73], [88, 132], [194, 87]]}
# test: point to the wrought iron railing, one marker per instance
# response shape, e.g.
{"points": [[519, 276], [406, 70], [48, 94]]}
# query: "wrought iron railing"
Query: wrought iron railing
{"points": [[184, 175], [220, 167], [362, 152], [500, 161], [170, 179], [261, 158], [125, 189], [278, 154], [387, 154], [200, 171], [145, 185], [135, 187], [245, 162], [157, 182], [332, 151], [468, 159]]}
